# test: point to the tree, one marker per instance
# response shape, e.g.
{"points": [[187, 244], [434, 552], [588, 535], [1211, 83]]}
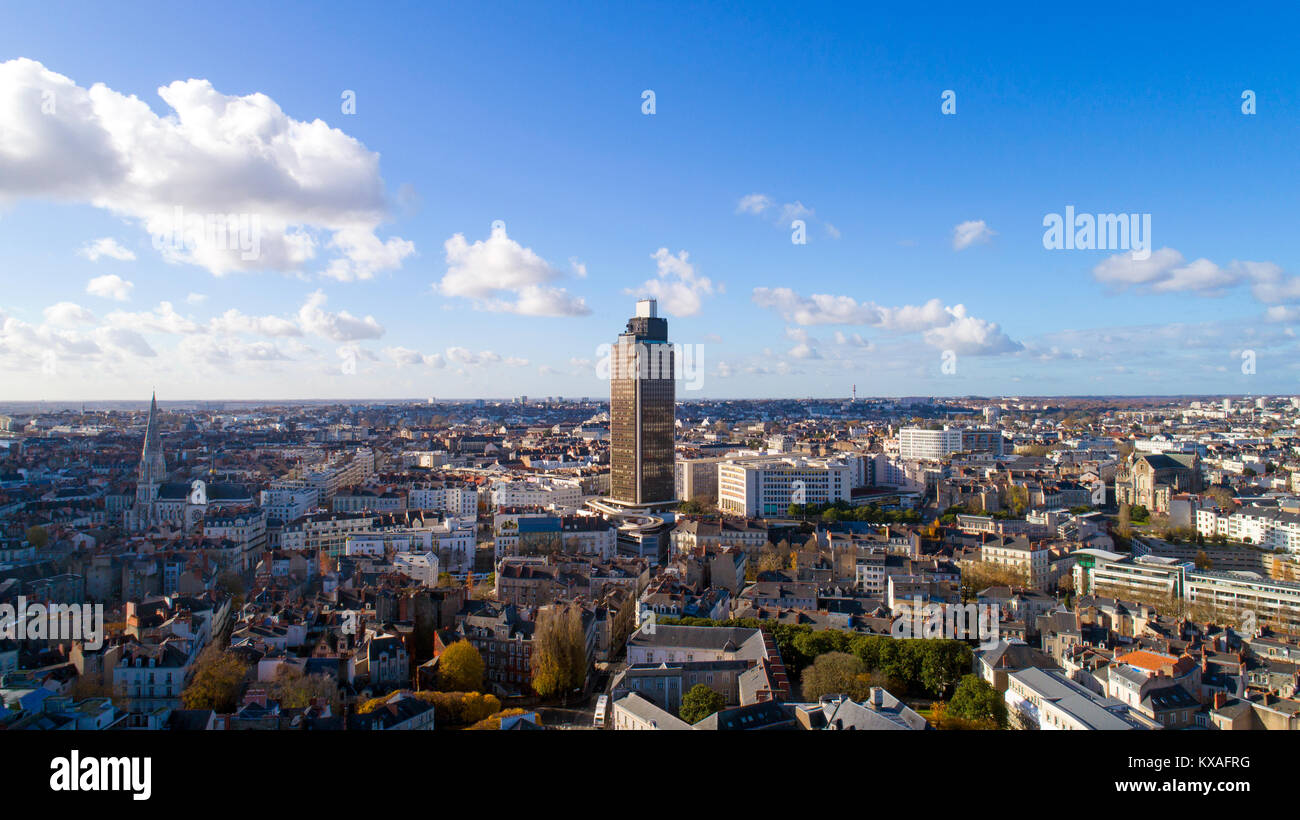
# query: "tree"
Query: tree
{"points": [[449, 708], [460, 708], [812, 645], [918, 666], [38, 537], [977, 701], [559, 657], [942, 664], [698, 505], [218, 678], [494, 722], [1224, 497], [294, 690], [460, 668], [942, 718], [1036, 450], [978, 575], [837, 673], [1015, 498], [1123, 523], [772, 559], [699, 703]]}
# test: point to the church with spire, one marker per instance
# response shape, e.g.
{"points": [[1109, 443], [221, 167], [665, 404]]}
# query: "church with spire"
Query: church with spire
{"points": [[151, 475], [175, 505]]}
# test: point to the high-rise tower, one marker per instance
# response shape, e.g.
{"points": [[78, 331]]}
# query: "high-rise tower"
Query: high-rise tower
{"points": [[642, 405]]}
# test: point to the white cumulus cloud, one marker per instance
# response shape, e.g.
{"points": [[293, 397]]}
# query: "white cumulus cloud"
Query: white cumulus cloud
{"points": [[943, 326], [107, 246], [971, 232], [501, 275], [339, 327], [68, 314], [678, 286], [110, 286], [211, 156]]}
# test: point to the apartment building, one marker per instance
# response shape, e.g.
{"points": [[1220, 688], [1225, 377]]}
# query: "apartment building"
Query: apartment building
{"points": [[1255, 524], [378, 544], [151, 676], [245, 528], [503, 639], [528, 534], [698, 536], [324, 532], [554, 493], [453, 499], [421, 567], [328, 480], [885, 469], [1233, 594], [1045, 699], [287, 503], [1157, 685], [871, 572], [1032, 559], [366, 500]]}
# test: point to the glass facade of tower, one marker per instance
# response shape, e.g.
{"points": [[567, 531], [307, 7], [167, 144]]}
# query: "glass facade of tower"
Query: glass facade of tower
{"points": [[642, 404]]}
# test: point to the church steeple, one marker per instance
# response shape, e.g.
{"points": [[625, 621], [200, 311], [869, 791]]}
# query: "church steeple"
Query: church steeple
{"points": [[153, 467]]}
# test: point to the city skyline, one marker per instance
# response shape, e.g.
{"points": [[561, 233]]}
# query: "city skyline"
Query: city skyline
{"points": [[712, 368], [466, 220]]}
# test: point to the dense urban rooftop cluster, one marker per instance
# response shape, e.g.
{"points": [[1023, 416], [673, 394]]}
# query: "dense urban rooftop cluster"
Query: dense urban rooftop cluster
{"points": [[1122, 563]]}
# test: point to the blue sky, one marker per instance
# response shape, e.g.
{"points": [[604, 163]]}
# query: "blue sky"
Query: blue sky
{"points": [[531, 115]]}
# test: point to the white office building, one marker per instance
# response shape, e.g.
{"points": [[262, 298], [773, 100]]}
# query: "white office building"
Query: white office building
{"points": [[768, 486], [917, 443]]}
